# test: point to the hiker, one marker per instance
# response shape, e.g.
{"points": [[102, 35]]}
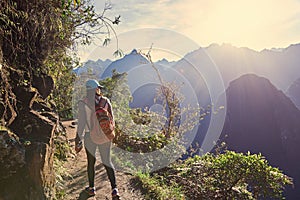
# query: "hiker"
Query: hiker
{"points": [[85, 108]]}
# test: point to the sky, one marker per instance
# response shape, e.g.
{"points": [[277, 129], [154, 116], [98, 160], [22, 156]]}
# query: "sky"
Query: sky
{"points": [[256, 24]]}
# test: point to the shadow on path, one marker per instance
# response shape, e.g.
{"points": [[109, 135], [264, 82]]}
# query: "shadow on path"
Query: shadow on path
{"points": [[83, 196]]}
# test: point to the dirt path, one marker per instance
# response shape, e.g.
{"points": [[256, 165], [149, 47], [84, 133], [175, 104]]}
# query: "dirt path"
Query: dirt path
{"points": [[77, 181]]}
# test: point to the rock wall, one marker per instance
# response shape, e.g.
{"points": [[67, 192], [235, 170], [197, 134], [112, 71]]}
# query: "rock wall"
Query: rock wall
{"points": [[27, 129]]}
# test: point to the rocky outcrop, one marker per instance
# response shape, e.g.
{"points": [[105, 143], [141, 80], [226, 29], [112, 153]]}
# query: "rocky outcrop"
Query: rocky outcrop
{"points": [[27, 151], [12, 154], [44, 84], [294, 92], [26, 168]]}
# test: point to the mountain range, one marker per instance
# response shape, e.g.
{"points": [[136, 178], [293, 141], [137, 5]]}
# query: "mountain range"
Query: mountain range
{"points": [[280, 66]]}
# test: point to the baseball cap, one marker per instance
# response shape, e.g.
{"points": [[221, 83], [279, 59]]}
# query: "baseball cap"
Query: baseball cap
{"points": [[92, 84]]}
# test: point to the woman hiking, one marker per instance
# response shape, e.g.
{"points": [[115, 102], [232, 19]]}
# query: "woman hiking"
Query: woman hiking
{"points": [[86, 108]]}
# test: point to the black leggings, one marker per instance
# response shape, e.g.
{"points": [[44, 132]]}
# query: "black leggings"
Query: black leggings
{"points": [[104, 149]]}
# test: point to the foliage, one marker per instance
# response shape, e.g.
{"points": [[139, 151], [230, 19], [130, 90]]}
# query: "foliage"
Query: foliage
{"points": [[60, 174], [62, 152], [31, 31], [142, 131], [229, 175], [62, 146], [39, 37], [34, 30], [140, 117], [130, 136], [155, 189], [7, 98]]}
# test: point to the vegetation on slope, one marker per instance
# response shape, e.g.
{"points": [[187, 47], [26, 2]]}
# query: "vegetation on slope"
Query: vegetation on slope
{"points": [[229, 175]]}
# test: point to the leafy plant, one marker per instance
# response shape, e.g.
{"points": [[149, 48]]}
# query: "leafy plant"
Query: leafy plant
{"points": [[62, 152], [155, 189], [39, 39], [229, 175]]}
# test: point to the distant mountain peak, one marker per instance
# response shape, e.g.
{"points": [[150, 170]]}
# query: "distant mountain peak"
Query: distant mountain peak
{"points": [[213, 45], [134, 51], [249, 79], [128, 62], [262, 119]]}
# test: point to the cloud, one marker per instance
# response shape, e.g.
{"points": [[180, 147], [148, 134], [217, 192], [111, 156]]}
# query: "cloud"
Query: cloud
{"points": [[256, 24]]}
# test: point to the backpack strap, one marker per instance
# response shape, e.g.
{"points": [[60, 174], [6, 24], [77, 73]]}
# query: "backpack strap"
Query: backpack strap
{"points": [[102, 101]]}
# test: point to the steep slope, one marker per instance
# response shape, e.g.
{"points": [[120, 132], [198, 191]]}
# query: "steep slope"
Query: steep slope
{"points": [[261, 119], [294, 92], [27, 130]]}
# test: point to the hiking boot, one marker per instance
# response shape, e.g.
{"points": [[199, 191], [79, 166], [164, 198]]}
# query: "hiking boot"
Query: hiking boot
{"points": [[115, 194], [91, 191]]}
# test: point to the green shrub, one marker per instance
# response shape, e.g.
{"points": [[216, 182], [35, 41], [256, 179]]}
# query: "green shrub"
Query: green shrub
{"points": [[229, 175], [156, 189]]}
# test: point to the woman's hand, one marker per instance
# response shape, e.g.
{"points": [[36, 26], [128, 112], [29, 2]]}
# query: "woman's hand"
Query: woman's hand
{"points": [[78, 146]]}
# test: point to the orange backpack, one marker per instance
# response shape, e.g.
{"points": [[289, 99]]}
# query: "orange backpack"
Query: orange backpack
{"points": [[102, 123]]}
